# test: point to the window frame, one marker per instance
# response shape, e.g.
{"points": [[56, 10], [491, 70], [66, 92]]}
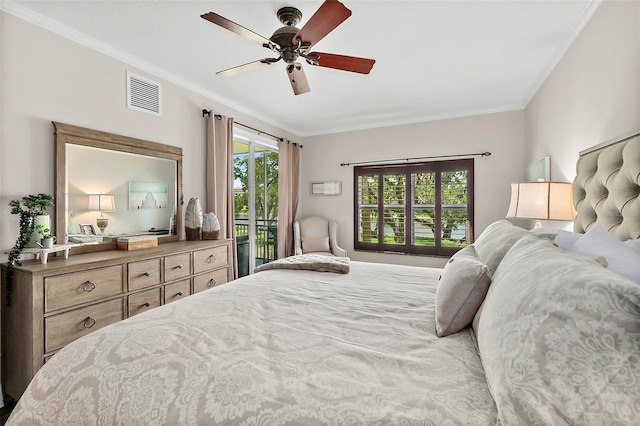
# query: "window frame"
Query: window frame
{"points": [[437, 167], [254, 143]]}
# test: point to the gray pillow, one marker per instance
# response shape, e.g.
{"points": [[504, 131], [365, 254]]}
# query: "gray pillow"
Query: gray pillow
{"points": [[463, 284], [496, 240]]}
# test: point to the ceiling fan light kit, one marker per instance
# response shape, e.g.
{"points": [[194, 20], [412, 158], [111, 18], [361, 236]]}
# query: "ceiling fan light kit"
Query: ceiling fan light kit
{"points": [[291, 43]]}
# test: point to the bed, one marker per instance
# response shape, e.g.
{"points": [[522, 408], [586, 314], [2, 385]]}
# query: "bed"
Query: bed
{"points": [[281, 346], [554, 339]]}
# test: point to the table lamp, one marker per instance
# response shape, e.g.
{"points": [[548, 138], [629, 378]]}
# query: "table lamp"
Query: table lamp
{"points": [[102, 203], [541, 201]]}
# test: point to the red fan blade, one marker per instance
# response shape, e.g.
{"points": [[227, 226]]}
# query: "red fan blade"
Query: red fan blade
{"points": [[236, 28], [246, 67], [341, 62], [298, 78], [331, 14]]}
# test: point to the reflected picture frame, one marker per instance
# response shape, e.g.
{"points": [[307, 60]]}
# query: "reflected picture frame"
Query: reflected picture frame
{"points": [[148, 195], [539, 171], [87, 229]]}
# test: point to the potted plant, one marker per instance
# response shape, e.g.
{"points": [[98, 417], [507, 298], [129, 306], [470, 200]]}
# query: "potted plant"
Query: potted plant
{"points": [[46, 240], [29, 208]]}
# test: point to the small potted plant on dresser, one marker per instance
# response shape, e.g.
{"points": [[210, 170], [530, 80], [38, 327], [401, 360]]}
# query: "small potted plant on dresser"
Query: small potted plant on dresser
{"points": [[32, 210], [46, 240]]}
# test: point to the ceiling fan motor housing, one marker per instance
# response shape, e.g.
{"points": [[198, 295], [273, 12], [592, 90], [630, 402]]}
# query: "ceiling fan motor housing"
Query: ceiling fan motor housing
{"points": [[283, 36], [289, 16]]}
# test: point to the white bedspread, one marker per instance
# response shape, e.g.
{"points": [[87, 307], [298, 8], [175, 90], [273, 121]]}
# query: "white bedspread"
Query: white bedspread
{"points": [[278, 347]]}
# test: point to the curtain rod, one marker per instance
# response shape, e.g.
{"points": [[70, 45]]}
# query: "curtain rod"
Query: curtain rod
{"points": [[478, 154], [260, 132]]}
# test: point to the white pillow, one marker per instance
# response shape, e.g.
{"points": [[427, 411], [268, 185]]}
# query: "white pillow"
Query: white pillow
{"points": [[633, 244], [565, 239], [621, 259]]}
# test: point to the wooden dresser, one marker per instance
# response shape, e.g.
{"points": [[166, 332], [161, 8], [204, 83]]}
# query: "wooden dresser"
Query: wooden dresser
{"points": [[55, 303]]}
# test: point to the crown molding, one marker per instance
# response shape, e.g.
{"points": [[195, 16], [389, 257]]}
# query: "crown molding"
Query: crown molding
{"points": [[376, 123], [371, 122], [571, 36], [28, 15]]}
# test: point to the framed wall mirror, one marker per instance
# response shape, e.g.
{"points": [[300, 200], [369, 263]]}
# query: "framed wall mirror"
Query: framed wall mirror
{"points": [[121, 186]]}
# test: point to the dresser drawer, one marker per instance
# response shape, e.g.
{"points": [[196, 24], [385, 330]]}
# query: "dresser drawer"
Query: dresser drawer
{"points": [[82, 287], [209, 279], [64, 328], [205, 260], [176, 291], [177, 266], [144, 274], [143, 301]]}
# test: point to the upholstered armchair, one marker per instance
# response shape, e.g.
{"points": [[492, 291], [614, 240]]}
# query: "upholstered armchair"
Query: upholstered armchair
{"points": [[316, 235]]}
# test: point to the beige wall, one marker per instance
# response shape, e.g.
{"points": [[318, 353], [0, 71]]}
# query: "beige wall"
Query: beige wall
{"points": [[47, 78], [593, 94], [502, 134]]}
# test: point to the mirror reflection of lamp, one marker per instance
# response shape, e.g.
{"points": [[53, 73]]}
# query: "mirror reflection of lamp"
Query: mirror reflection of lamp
{"points": [[102, 203]]}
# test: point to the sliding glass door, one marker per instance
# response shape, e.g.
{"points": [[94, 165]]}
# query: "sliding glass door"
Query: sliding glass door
{"points": [[256, 202]]}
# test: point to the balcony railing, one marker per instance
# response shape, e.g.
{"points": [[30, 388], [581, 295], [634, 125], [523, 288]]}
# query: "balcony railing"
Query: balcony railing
{"points": [[266, 245]]}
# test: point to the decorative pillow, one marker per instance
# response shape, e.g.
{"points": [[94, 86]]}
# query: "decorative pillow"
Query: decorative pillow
{"points": [[495, 241], [559, 339], [620, 259], [463, 284], [314, 245]]}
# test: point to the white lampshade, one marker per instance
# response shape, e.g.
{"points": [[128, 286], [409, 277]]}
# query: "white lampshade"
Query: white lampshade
{"points": [[102, 202], [542, 201]]}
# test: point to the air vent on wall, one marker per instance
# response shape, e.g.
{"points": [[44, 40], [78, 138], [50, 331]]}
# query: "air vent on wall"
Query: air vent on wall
{"points": [[143, 95]]}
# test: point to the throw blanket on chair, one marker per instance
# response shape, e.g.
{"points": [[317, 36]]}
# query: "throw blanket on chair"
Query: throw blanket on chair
{"points": [[309, 262]]}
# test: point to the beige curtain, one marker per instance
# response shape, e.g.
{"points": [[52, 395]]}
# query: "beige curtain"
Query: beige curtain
{"points": [[220, 177], [288, 195]]}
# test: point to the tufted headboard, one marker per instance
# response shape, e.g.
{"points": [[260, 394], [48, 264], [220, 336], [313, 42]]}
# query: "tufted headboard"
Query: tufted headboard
{"points": [[606, 190]]}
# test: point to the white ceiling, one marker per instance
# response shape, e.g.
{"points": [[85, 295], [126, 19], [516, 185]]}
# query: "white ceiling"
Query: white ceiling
{"points": [[434, 59]]}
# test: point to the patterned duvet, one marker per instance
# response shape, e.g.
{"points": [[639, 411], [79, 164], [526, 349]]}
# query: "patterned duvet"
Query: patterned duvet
{"points": [[278, 347]]}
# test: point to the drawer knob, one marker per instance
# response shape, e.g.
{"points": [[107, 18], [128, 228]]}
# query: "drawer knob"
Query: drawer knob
{"points": [[146, 304], [211, 259], [147, 274], [89, 322], [89, 286], [179, 293], [179, 266], [212, 282]]}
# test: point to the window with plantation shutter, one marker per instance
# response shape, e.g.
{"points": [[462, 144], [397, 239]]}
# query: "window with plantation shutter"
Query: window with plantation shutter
{"points": [[418, 208]]}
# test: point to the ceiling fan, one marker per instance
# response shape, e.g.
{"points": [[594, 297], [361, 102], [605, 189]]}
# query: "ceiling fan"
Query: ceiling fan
{"points": [[291, 43]]}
